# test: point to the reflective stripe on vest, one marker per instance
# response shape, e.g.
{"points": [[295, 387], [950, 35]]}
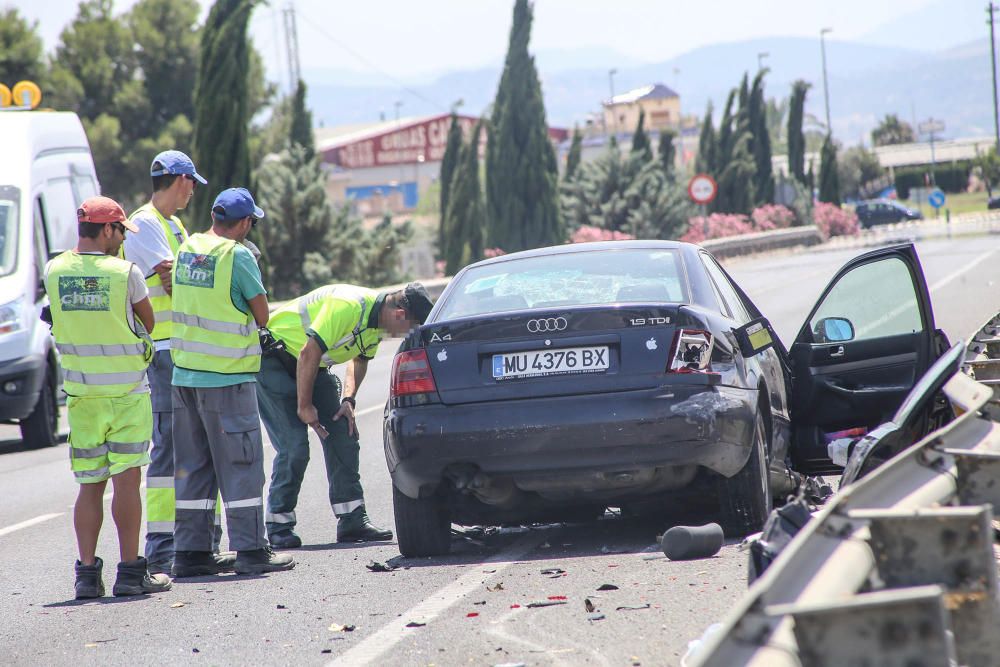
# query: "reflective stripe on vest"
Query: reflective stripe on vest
{"points": [[291, 322], [99, 352], [158, 296], [209, 332]]}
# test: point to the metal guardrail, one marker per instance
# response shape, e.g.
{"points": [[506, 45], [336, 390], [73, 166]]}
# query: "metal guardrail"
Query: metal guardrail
{"points": [[897, 568]]}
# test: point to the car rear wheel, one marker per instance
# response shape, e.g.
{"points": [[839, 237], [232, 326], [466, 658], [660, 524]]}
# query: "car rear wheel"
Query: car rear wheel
{"points": [[423, 525], [746, 497], [39, 429]]}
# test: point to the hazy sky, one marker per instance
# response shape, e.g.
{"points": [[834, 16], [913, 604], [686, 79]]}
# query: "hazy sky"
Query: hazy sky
{"points": [[407, 38]]}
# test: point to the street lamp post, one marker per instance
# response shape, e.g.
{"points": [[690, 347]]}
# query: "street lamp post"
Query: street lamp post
{"points": [[760, 59], [611, 100], [826, 84], [990, 9]]}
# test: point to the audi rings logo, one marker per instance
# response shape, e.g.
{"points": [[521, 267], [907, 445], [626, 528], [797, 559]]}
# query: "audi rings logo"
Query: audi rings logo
{"points": [[547, 324]]}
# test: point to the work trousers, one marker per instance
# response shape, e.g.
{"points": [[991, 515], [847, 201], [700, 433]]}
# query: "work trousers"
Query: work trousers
{"points": [[160, 473], [278, 402], [218, 447]]}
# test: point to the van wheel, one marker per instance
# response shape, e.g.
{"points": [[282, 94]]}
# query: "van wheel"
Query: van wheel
{"points": [[746, 496], [423, 525], [39, 429]]}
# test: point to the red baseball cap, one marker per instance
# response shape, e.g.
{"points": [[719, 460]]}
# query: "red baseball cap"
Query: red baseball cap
{"points": [[102, 210]]}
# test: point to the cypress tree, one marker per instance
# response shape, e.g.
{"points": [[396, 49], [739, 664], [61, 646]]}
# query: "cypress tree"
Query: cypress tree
{"points": [[829, 181], [452, 152], [573, 157], [796, 140], [301, 131], [764, 181], [666, 152], [222, 109], [725, 140], [707, 148], [521, 170], [463, 241], [640, 140]]}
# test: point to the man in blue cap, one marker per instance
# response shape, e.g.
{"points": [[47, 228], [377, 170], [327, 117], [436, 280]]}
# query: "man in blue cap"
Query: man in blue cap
{"points": [[152, 249], [219, 302]]}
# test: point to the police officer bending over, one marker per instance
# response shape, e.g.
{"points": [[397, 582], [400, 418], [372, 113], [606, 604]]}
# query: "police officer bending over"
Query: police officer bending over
{"points": [[330, 325]]}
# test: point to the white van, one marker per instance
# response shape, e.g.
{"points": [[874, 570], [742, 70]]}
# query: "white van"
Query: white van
{"points": [[46, 170]]}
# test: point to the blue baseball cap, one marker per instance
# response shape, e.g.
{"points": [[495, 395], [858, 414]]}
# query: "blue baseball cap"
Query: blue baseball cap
{"points": [[175, 162], [235, 204]]}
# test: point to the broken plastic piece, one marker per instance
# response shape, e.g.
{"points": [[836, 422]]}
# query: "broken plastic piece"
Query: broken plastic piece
{"points": [[688, 542], [607, 587], [553, 570], [415, 624], [588, 605], [632, 607], [596, 617], [545, 603], [376, 566]]}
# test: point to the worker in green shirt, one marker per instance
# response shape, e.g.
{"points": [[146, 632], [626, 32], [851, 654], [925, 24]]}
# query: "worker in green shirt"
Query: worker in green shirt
{"points": [[331, 325]]}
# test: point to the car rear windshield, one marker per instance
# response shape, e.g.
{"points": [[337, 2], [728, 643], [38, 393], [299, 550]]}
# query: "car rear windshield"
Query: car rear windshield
{"points": [[585, 278], [8, 231]]}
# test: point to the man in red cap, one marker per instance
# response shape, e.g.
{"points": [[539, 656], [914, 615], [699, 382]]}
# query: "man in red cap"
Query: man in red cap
{"points": [[101, 314]]}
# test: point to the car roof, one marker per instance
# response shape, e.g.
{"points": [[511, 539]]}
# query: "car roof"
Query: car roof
{"points": [[593, 246]]}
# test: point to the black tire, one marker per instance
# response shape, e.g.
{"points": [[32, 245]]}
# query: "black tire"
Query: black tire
{"points": [[745, 498], [41, 427], [423, 525]]}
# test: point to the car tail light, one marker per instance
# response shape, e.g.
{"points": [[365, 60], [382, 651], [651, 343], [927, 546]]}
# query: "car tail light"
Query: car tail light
{"points": [[411, 374], [692, 352]]}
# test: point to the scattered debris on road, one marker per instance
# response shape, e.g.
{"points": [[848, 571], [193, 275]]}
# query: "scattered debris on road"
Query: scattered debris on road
{"points": [[496, 588], [337, 627], [588, 605], [415, 624], [376, 566], [553, 571], [691, 542], [632, 607], [596, 617], [176, 605], [607, 587], [545, 603]]}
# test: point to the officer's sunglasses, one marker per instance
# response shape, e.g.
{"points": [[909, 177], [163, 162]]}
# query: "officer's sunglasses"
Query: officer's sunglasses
{"points": [[119, 226], [194, 181]]}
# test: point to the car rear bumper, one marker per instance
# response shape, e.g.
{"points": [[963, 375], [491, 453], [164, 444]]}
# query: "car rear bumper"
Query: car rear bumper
{"points": [[556, 439], [26, 374]]}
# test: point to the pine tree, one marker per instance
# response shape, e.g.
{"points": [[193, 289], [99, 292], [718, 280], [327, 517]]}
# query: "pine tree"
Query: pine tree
{"points": [[464, 227], [521, 170], [640, 140], [573, 157], [829, 181], [764, 180], [221, 120], [666, 152], [796, 140], [705, 162], [21, 50], [452, 153], [301, 132]]}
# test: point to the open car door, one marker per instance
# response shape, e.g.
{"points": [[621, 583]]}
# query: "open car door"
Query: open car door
{"points": [[867, 341]]}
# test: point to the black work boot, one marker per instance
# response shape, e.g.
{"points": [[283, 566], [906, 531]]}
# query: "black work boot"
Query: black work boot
{"points": [[284, 539], [259, 561], [134, 579], [201, 563], [89, 583], [356, 527]]}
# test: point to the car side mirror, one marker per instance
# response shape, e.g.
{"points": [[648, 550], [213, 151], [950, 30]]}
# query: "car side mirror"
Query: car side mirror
{"points": [[833, 330]]}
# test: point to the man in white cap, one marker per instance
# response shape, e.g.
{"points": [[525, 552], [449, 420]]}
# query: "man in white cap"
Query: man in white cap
{"points": [[153, 248]]}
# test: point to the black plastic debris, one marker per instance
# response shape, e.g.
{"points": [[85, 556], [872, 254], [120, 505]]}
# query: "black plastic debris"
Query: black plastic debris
{"points": [[781, 526], [376, 566], [553, 570], [544, 603], [588, 605], [415, 624], [689, 542], [607, 587], [632, 607]]}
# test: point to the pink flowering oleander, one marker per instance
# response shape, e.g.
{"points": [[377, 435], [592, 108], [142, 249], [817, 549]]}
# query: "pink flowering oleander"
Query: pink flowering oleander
{"points": [[716, 226], [835, 221], [587, 233], [772, 216]]}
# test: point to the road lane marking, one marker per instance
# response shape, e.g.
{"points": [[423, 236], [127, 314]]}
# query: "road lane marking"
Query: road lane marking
{"points": [[968, 267], [371, 649], [28, 523]]}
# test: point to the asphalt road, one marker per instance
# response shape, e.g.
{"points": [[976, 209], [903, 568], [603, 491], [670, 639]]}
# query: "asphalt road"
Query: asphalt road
{"points": [[473, 604]]}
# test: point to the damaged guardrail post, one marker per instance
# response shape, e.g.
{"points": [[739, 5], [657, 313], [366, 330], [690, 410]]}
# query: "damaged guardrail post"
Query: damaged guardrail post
{"points": [[907, 628], [950, 546]]}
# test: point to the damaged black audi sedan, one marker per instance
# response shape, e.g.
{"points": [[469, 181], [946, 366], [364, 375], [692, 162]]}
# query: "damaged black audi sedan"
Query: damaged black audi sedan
{"points": [[552, 383]]}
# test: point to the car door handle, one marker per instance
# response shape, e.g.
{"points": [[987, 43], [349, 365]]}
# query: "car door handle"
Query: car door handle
{"points": [[837, 351]]}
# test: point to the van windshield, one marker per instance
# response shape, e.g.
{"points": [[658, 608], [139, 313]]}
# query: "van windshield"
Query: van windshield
{"points": [[9, 197]]}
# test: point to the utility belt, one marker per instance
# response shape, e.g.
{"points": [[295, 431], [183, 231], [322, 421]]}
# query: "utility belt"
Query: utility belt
{"points": [[274, 347]]}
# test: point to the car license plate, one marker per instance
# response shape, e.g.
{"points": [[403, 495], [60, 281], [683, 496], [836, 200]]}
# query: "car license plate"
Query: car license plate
{"points": [[563, 361]]}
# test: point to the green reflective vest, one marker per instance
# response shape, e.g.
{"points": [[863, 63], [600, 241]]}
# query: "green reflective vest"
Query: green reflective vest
{"points": [[338, 311], [158, 296], [209, 332], [100, 353]]}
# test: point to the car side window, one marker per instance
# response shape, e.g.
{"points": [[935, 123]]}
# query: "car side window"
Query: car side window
{"points": [[725, 289], [878, 299]]}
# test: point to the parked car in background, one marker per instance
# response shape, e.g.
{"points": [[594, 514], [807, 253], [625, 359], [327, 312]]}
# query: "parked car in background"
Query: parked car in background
{"points": [[550, 383], [46, 171], [883, 212]]}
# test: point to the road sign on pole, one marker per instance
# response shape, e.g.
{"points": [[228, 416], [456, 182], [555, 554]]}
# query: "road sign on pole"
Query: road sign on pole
{"points": [[702, 188], [936, 198]]}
